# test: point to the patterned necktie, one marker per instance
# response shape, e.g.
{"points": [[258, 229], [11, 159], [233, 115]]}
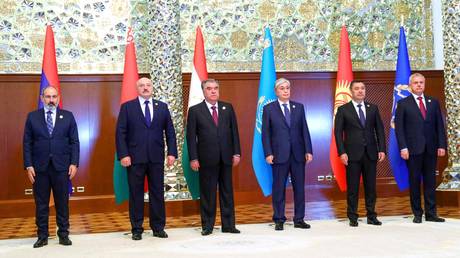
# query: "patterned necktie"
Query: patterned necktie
{"points": [[287, 114], [214, 115], [49, 121], [422, 107], [362, 119], [148, 117]]}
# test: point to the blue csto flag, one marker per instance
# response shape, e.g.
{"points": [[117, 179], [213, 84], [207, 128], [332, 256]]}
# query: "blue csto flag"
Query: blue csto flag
{"points": [[266, 95], [401, 90]]}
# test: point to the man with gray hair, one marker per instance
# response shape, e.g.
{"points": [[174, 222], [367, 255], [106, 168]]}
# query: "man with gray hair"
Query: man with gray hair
{"points": [[287, 147]]}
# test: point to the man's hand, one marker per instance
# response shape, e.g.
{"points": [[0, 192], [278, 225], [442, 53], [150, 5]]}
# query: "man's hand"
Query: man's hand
{"points": [[170, 160], [441, 152], [381, 156], [126, 161], [31, 174], [72, 171], [308, 157], [195, 164], [269, 159], [405, 154], [236, 160], [344, 159]]}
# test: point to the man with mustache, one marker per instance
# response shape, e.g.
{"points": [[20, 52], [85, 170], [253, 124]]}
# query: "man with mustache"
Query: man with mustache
{"points": [[141, 124], [51, 152]]}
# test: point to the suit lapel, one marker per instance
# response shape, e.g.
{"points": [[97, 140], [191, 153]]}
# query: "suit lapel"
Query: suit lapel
{"points": [[368, 113], [351, 108], [221, 114], [138, 110], [57, 122], [281, 113], [428, 106], [207, 113], [43, 120], [417, 108]]}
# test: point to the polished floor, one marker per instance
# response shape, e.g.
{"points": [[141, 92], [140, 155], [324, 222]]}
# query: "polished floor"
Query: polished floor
{"points": [[245, 214]]}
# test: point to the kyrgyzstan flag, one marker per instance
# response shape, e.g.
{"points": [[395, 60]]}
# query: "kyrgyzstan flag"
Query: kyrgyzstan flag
{"points": [[199, 74], [128, 92], [49, 77], [342, 96]]}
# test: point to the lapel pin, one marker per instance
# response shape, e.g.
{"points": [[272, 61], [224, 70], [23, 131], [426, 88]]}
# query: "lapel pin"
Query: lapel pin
{"points": [[429, 100], [223, 107], [61, 117], [156, 103], [293, 106], [368, 105]]}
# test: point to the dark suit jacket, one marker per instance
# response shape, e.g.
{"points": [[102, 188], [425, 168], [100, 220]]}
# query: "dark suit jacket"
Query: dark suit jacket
{"points": [[354, 139], [62, 147], [145, 144], [413, 132], [278, 139], [209, 143]]}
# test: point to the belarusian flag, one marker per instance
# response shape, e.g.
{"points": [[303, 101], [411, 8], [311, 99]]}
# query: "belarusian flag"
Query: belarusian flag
{"points": [[128, 92], [342, 96], [199, 74]]}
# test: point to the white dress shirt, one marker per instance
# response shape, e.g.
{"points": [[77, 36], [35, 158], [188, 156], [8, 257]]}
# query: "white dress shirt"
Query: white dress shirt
{"points": [[209, 105], [53, 114], [417, 101], [363, 107], [141, 101], [282, 107]]}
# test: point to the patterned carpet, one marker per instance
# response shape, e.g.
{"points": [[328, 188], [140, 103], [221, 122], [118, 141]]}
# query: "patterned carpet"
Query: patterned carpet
{"points": [[245, 214]]}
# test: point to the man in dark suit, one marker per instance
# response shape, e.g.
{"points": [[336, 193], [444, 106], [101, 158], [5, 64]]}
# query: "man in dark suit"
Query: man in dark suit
{"points": [[51, 152], [142, 123], [287, 147], [214, 147], [360, 140], [421, 138]]}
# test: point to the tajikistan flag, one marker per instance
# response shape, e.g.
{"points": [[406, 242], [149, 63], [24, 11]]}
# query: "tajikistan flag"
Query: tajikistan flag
{"points": [[199, 74]]}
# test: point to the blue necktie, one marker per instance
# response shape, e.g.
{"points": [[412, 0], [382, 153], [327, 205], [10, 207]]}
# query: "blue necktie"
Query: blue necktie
{"points": [[362, 119], [148, 117], [49, 121], [287, 115]]}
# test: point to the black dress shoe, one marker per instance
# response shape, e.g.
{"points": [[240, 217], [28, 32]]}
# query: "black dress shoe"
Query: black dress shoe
{"points": [[231, 230], [206, 232], [301, 224], [279, 226], [65, 241], [353, 223], [417, 219], [435, 219], [41, 242], [160, 234], [136, 236], [374, 221]]}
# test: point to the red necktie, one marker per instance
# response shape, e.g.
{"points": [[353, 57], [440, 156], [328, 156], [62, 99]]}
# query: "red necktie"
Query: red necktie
{"points": [[214, 115], [422, 107]]}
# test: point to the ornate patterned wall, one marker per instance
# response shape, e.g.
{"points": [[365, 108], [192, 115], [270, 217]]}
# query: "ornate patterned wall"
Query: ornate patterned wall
{"points": [[90, 35]]}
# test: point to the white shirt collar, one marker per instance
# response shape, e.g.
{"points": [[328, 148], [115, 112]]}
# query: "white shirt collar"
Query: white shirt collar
{"points": [[209, 105], [356, 103], [142, 100], [416, 96], [281, 103]]}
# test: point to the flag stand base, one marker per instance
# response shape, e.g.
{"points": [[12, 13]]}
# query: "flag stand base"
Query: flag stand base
{"points": [[451, 178]]}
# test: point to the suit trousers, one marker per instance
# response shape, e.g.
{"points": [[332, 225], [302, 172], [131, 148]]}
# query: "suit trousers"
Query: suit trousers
{"points": [[58, 182], [155, 179], [280, 175], [422, 167], [210, 177], [366, 168]]}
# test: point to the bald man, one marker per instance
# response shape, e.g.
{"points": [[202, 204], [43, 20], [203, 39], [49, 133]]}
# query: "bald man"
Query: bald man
{"points": [[142, 123]]}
